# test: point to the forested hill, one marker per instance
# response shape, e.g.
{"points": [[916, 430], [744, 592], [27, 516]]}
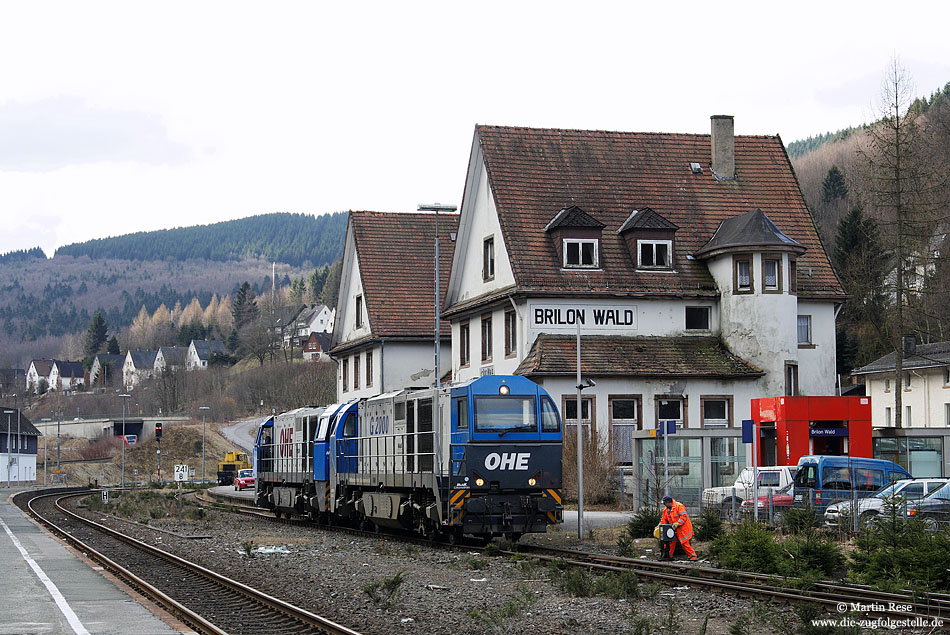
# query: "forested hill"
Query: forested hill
{"points": [[293, 239]]}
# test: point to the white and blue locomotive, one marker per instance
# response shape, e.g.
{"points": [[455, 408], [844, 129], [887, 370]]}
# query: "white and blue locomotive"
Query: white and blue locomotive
{"points": [[491, 467]]}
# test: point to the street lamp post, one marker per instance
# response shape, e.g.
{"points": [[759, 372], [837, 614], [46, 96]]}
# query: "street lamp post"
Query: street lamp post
{"points": [[589, 383], [437, 207], [59, 420], [9, 458], [203, 442], [124, 397]]}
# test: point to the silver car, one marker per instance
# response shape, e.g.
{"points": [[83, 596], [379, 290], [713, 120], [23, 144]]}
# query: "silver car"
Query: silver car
{"points": [[909, 489]]}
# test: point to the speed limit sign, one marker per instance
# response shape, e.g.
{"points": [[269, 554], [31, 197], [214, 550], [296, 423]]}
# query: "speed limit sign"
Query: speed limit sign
{"points": [[181, 472]]}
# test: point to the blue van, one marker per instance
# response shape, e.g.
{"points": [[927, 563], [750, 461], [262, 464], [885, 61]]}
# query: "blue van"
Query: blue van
{"points": [[823, 480]]}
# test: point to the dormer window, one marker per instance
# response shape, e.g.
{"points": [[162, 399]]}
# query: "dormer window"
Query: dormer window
{"points": [[654, 254], [580, 253], [576, 237], [649, 238]]}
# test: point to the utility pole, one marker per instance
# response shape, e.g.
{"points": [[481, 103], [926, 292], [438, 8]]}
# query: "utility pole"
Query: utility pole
{"points": [[203, 442], [124, 397]]}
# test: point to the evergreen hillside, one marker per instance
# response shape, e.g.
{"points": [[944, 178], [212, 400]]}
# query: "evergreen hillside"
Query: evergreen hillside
{"points": [[294, 239], [797, 149]]}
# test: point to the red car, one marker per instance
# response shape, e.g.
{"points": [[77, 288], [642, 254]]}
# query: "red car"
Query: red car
{"points": [[244, 479], [782, 501]]}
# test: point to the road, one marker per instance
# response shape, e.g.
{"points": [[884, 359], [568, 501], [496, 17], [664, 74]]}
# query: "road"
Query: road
{"points": [[243, 433]]}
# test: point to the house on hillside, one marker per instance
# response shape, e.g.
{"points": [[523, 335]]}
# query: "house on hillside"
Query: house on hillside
{"points": [[317, 347], [283, 325], [38, 372], [65, 375], [316, 318], [139, 365], [105, 370], [19, 457], [687, 265], [384, 335], [200, 351], [171, 358]]}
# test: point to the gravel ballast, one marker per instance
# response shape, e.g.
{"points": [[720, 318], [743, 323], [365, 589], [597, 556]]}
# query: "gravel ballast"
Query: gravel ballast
{"points": [[383, 585]]}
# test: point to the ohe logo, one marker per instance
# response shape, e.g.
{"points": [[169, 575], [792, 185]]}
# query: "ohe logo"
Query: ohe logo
{"points": [[507, 461]]}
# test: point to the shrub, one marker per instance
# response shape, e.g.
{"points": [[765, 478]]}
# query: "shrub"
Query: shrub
{"points": [[750, 546], [709, 525], [384, 591], [643, 522], [798, 520], [600, 475], [893, 554]]}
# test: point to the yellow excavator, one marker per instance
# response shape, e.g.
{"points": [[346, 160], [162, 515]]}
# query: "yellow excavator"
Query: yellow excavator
{"points": [[228, 468]]}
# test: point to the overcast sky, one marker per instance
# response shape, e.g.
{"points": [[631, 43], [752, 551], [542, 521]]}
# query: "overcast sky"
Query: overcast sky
{"points": [[131, 116]]}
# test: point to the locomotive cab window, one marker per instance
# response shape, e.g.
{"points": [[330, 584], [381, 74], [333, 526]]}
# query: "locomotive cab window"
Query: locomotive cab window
{"points": [[549, 418], [505, 414], [461, 414], [349, 426]]}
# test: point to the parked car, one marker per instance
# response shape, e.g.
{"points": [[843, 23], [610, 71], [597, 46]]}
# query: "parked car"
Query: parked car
{"points": [[783, 499], [771, 479], [933, 510], [824, 480], [244, 479], [909, 489]]}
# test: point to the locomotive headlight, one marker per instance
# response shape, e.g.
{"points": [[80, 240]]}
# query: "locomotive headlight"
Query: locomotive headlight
{"points": [[503, 390], [532, 481], [480, 482]]}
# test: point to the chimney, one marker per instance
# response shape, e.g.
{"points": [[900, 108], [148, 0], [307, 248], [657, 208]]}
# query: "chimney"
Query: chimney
{"points": [[723, 148]]}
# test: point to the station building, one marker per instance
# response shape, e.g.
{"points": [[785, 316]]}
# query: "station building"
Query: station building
{"points": [[686, 265]]}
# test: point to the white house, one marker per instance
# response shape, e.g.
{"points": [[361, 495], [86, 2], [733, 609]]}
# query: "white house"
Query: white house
{"points": [[39, 369], [200, 351], [139, 364], [170, 357], [384, 332], [925, 383], [105, 369], [65, 375], [18, 459], [688, 265], [316, 318]]}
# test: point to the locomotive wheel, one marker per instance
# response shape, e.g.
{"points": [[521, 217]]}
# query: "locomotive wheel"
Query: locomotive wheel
{"points": [[454, 536]]}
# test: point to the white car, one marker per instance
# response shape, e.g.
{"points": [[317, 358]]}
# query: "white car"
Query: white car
{"points": [[910, 489]]}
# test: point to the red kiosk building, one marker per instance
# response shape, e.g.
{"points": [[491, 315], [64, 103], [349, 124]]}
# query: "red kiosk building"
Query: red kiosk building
{"points": [[792, 427]]}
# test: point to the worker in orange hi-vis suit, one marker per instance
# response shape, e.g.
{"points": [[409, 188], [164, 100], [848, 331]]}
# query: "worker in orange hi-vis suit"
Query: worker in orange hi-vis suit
{"points": [[675, 514]]}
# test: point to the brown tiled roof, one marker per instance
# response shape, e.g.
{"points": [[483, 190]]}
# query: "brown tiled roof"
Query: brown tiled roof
{"points": [[396, 255], [533, 173], [635, 356]]}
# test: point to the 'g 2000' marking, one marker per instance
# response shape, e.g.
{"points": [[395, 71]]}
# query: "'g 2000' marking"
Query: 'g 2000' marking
{"points": [[507, 461]]}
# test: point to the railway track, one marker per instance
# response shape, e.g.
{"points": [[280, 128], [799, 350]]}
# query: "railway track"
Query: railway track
{"points": [[908, 605], [203, 599], [854, 598]]}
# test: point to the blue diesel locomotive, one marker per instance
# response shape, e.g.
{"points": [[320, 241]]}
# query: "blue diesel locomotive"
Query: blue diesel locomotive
{"points": [[491, 466]]}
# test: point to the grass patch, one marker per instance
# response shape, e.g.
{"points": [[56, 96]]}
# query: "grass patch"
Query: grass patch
{"points": [[385, 592], [494, 618]]}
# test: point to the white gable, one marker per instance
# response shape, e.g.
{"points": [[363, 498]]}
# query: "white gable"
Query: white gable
{"points": [[478, 222], [351, 287]]}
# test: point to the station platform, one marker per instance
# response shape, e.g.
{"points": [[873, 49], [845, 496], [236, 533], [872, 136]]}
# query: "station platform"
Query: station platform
{"points": [[50, 588]]}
